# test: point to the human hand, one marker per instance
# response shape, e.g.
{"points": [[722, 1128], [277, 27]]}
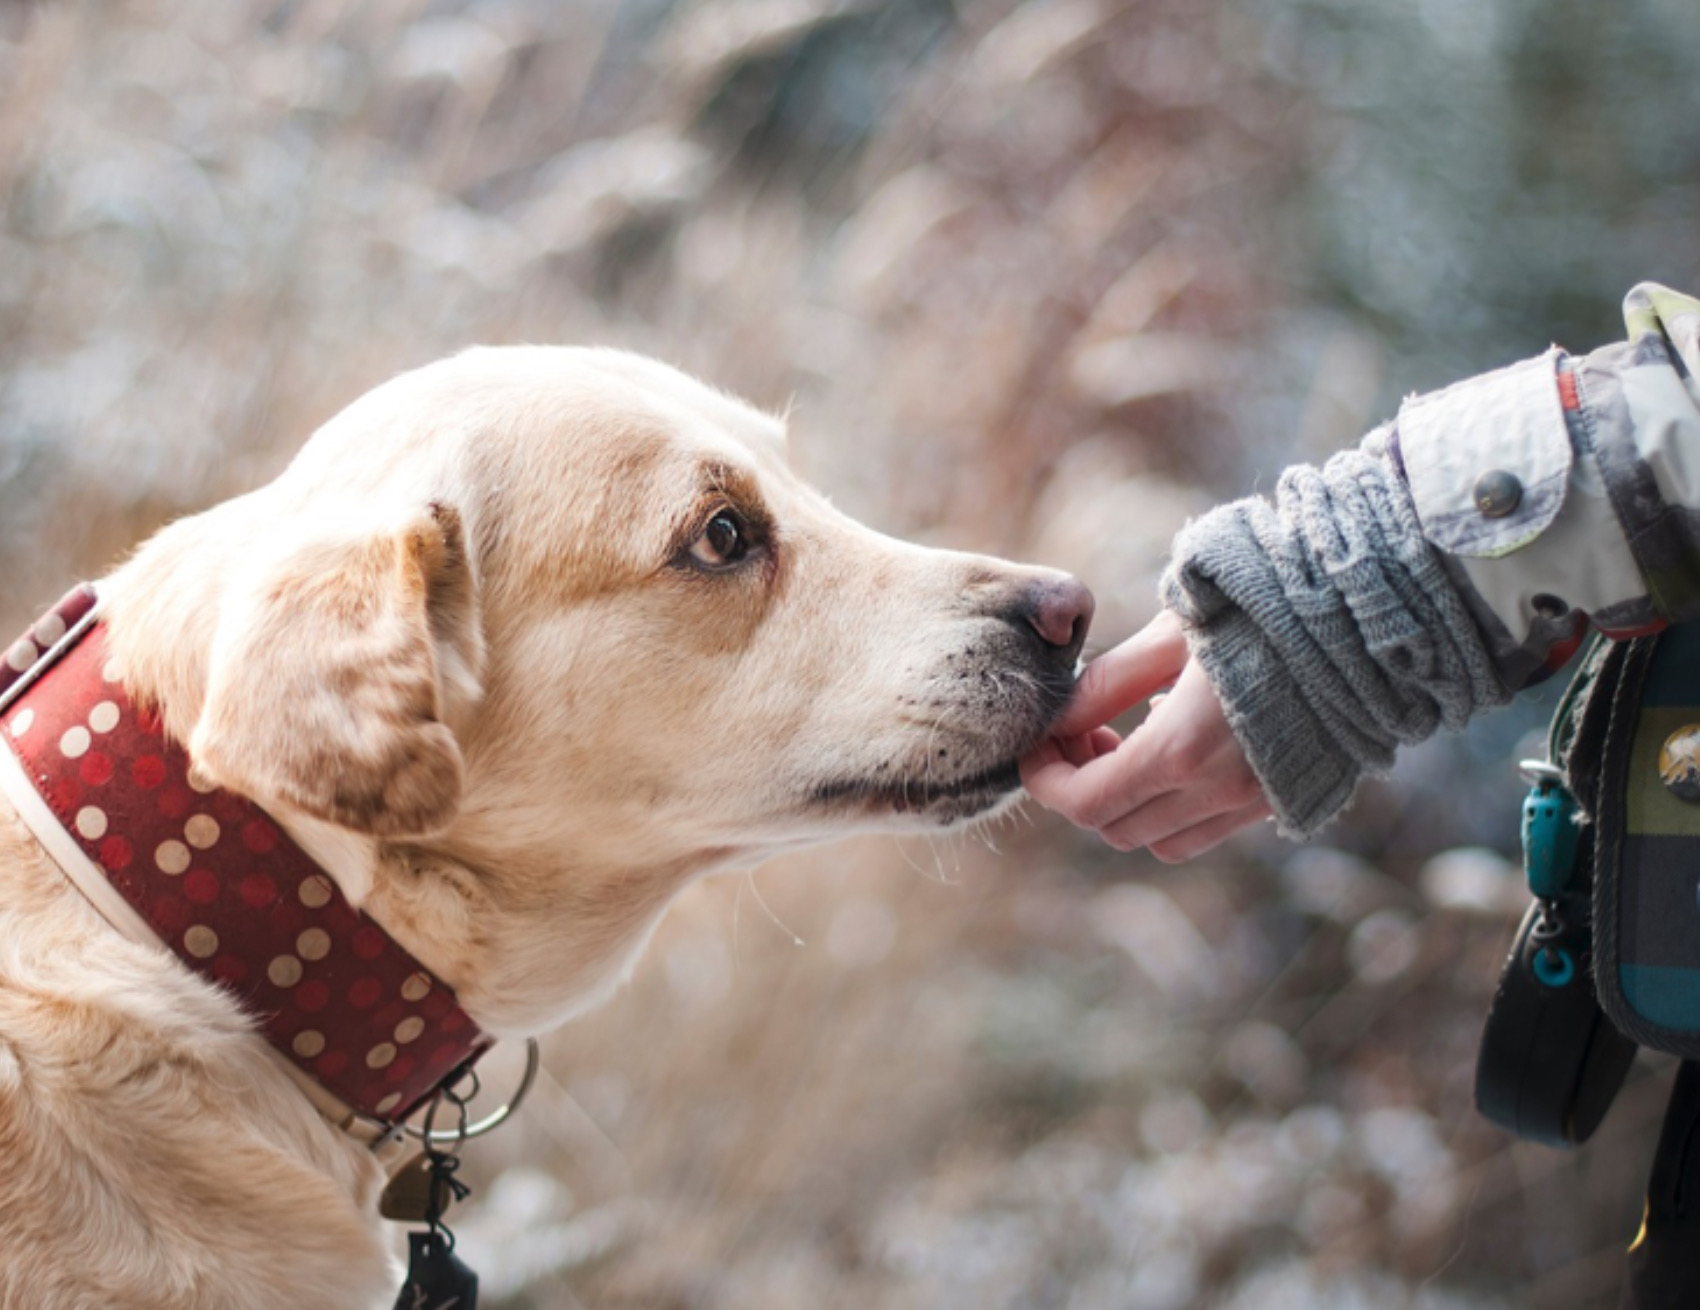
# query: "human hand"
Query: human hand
{"points": [[1179, 784]]}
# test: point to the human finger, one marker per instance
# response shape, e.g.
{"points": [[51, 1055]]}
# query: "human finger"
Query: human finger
{"points": [[1092, 794], [1168, 816], [1180, 745], [1104, 740], [1089, 746], [1122, 677], [1195, 841], [1050, 770]]}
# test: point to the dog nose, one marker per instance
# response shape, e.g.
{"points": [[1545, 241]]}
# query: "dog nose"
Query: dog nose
{"points": [[1061, 612]]}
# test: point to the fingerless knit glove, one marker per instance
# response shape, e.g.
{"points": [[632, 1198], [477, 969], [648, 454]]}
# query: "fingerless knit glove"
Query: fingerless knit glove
{"points": [[1330, 629]]}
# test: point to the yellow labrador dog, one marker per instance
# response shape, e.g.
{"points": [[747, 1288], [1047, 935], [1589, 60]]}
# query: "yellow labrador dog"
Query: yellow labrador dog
{"points": [[519, 645]]}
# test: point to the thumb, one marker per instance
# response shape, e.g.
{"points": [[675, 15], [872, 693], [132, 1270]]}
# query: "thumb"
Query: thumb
{"points": [[1119, 679]]}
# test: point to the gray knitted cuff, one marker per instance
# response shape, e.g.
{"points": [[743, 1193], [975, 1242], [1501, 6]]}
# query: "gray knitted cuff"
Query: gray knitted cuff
{"points": [[1330, 629], [1307, 777]]}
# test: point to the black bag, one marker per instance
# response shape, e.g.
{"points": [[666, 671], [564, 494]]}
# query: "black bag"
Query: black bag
{"points": [[1628, 918]]}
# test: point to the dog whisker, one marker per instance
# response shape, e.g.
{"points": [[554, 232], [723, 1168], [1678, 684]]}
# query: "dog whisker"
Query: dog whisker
{"points": [[750, 879]]}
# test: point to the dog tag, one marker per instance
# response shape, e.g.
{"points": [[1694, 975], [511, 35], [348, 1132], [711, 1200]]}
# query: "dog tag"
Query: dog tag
{"points": [[407, 1199], [436, 1279]]}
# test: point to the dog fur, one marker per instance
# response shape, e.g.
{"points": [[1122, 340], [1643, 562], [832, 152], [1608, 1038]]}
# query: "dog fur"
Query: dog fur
{"points": [[480, 652]]}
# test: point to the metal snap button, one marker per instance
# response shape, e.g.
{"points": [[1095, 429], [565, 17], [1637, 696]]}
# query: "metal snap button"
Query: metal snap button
{"points": [[1497, 492], [1679, 763]]}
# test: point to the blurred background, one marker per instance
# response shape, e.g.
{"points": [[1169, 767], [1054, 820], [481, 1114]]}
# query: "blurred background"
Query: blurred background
{"points": [[1035, 278]]}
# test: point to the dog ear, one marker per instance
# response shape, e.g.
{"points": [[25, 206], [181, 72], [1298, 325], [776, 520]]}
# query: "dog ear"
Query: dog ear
{"points": [[331, 675]]}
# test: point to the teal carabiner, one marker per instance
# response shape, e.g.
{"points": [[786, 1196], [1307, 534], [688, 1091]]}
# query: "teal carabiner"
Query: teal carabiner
{"points": [[1550, 831]]}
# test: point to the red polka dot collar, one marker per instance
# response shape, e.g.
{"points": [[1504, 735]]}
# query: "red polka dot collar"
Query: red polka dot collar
{"points": [[214, 879]]}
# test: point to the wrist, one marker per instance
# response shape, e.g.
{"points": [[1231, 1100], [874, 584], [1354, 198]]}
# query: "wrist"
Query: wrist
{"points": [[1307, 776]]}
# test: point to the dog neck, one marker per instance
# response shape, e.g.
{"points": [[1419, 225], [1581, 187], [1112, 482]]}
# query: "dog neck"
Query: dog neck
{"points": [[211, 877], [528, 925]]}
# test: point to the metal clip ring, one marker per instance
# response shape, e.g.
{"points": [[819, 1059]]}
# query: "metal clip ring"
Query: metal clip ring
{"points": [[465, 1132]]}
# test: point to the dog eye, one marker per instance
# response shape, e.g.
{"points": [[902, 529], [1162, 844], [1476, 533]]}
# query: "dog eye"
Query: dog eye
{"points": [[724, 542]]}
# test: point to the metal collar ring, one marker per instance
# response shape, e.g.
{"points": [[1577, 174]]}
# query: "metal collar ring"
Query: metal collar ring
{"points": [[464, 1131]]}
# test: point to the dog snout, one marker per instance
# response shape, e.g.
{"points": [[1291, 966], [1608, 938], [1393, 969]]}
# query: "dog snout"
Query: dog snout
{"points": [[1060, 611]]}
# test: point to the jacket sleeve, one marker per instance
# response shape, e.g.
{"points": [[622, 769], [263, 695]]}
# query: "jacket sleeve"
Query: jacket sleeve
{"points": [[1460, 553], [1604, 454]]}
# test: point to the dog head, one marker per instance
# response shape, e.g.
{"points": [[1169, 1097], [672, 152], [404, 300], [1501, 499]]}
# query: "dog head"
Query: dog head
{"points": [[524, 640]]}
